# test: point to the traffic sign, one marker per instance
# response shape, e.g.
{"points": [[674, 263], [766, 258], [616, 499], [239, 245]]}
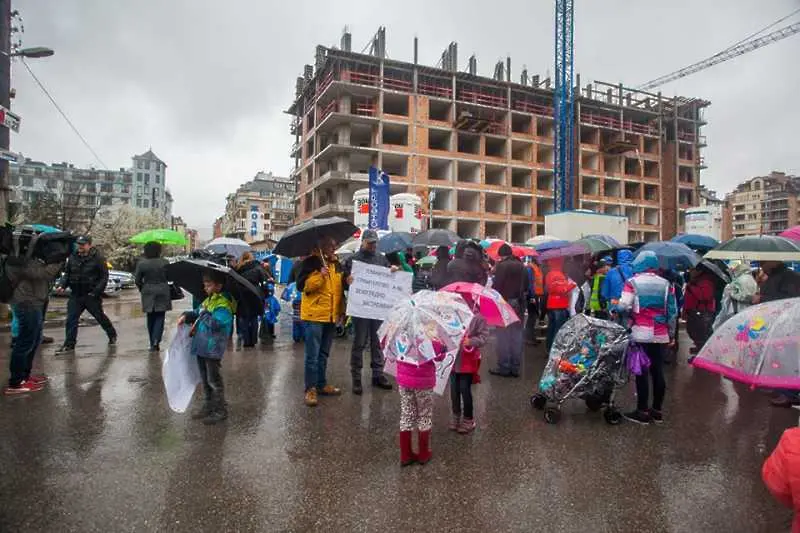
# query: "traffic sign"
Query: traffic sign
{"points": [[9, 119], [10, 156]]}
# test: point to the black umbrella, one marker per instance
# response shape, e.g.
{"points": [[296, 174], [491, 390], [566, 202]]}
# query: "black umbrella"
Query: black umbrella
{"points": [[394, 242], [304, 238], [714, 269], [436, 237], [188, 274], [757, 248]]}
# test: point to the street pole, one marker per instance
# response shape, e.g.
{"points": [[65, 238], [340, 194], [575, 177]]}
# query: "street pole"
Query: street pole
{"points": [[5, 101]]}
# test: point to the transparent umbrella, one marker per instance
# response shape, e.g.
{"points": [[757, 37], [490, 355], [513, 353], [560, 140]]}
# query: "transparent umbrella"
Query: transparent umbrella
{"points": [[759, 346]]}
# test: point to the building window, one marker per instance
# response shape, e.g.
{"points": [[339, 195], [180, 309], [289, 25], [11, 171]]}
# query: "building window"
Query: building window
{"points": [[139, 164], [138, 203], [146, 203], [147, 179], [27, 181], [14, 180], [138, 176], [105, 200], [158, 179], [147, 165]]}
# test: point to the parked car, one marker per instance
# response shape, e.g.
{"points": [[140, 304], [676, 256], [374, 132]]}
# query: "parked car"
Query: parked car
{"points": [[113, 287], [126, 279]]}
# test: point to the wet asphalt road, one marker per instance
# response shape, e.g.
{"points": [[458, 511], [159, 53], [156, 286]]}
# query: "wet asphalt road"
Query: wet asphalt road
{"points": [[99, 450]]}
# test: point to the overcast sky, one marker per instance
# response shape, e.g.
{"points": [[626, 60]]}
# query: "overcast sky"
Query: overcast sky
{"points": [[205, 83]]}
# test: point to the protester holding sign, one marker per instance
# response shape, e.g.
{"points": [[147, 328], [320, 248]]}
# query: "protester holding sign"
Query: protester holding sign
{"points": [[366, 329]]}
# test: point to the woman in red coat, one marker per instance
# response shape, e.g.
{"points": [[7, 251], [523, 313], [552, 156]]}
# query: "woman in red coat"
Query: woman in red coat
{"points": [[699, 307], [781, 473]]}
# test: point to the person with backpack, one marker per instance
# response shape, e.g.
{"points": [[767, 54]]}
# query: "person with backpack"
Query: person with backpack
{"points": [[86, 276], [26, 285], [535, 293], [611, 289]]}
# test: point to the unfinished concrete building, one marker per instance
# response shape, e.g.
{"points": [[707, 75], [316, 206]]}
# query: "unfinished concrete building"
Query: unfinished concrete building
{"points": [[484, 146]]}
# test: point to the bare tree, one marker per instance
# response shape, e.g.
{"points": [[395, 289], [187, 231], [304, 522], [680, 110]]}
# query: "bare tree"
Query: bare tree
{"points": [[67, 208]]}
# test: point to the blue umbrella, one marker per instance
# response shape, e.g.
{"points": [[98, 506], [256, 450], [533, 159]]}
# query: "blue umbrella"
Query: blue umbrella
{"points": [[550, 245], [671, 255], [696, 241], [394, 242]]}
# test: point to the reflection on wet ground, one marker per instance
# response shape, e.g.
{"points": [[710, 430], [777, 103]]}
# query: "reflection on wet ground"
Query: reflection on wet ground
{"points": [[99, 450]]}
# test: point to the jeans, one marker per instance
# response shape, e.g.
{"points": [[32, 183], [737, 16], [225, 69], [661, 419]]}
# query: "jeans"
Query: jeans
{"points": [[509, 348], [247, 327], [298, 331], [155, 327], [75, 308], [555, 319], [318, 337], [655, 352], [366, 331], [211, 375], [461, 390], [30, 321]]}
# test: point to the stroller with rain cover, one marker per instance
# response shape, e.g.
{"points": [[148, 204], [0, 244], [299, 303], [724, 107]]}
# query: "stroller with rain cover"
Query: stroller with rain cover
{"points": [[587, 362]]}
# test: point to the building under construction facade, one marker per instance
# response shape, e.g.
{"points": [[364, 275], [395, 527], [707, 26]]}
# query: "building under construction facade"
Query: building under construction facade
{"points": [[479, 151]]}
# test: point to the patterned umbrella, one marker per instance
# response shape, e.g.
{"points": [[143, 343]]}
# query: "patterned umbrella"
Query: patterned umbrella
{"points": [[490, 304], [413, 324], [758, 346]]}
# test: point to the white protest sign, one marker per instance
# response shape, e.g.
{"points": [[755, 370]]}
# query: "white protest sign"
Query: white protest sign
{"points": [[375, 290]]}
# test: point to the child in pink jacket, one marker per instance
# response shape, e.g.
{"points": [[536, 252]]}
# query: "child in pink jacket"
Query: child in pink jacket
{"points": [[416, 385]]}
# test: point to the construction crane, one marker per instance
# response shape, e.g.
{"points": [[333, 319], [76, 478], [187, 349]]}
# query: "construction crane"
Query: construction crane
{"points": [[564, 106], [729, 53], [564, 95]]}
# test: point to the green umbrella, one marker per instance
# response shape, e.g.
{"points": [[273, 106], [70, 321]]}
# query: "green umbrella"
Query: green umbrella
{"points": [[594, 245], [161, 236]]}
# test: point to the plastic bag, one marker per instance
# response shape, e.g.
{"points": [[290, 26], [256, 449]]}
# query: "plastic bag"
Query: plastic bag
{"points": [[638, 362], [180, 371]]}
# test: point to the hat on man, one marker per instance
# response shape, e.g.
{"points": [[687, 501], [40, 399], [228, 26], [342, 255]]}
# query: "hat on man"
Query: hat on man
{"points": [[369, 236], [84, 239]]}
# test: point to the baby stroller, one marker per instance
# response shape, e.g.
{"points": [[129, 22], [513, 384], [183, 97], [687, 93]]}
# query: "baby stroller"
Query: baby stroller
{"points": [[587, 362]]}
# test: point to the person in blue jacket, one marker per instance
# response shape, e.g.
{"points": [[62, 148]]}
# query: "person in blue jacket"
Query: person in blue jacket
{"points": [[611, 289], [212, 325]]}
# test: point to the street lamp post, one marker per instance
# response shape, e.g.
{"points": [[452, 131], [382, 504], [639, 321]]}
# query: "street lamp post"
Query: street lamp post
{"points": [[5, 96]]}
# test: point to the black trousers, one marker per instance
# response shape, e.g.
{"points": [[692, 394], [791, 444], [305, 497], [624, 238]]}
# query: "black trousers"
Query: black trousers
{"points": [[698, 326], [213, 387], [655, 352], [75, 308], [461, 391], [366, 333]]}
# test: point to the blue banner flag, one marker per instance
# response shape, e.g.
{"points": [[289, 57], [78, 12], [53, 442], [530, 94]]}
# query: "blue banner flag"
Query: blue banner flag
{"points": [[378, 199]]}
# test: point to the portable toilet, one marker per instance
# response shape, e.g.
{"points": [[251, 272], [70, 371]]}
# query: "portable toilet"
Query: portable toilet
{"points": [[361, 208], [405, 213]]}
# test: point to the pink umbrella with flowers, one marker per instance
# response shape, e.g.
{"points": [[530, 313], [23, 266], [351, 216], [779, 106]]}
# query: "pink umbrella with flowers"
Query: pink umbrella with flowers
{"points": [[490, 304]]}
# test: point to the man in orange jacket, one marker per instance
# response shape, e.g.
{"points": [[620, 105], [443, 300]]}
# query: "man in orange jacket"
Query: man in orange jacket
{"points": [[557, 288]]}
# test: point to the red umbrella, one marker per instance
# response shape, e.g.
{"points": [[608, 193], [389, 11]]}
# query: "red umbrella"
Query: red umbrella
{"points": [[523, 251], [493, 250]]}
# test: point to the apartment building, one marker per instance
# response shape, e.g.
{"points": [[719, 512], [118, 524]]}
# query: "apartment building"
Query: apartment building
{"points": [[261, 209], [764, 205], [480, 151], [80, 193]]}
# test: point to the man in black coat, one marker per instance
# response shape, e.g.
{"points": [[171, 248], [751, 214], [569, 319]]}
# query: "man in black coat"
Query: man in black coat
{"points": [[86, 276], [365, 328], [511, 281]]}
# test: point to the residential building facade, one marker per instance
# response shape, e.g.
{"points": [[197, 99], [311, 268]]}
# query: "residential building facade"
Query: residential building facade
{"points": [[479, 151], [764, 205], [261, 209], [79, 193]]}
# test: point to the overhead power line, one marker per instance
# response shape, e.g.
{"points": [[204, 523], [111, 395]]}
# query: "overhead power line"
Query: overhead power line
{"points": [[63, 114]]}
